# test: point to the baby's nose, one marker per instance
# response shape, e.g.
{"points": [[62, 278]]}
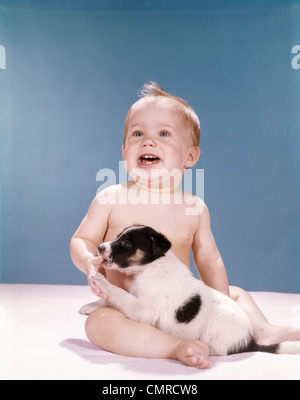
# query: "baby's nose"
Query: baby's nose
{"points": [[148, 142]]}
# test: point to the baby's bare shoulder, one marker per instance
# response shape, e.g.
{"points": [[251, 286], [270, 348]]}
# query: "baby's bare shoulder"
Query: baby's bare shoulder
{"points": [[194, 205], [110, 195]]}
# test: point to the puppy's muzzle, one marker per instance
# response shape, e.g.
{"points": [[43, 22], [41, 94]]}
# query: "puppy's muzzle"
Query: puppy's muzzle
{"points": [[104, 250], [101, 249]]}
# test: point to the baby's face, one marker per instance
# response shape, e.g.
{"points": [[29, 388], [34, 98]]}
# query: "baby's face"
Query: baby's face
{"points": [[158, 139]]}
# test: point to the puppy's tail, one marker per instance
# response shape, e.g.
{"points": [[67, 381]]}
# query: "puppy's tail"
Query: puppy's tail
{"points": [[281, 348], [289, 348]]}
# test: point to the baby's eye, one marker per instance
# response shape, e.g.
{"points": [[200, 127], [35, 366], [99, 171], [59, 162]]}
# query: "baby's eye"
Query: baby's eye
{"points": [[137, 134], [164, 133]]}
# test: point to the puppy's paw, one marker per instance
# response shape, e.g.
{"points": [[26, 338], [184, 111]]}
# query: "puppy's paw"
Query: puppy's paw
{"points": [[87, 309], [100, 281]]}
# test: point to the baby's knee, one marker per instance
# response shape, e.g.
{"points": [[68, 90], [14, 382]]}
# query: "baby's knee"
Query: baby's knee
{"points": [[99, 325], [237, 293]]}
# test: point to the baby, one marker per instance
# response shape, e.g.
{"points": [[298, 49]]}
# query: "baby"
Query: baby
{"points": [[161, 141]]}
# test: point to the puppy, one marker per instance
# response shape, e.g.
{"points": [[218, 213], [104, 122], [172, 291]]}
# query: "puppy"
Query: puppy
{"points": [[165, 294]]}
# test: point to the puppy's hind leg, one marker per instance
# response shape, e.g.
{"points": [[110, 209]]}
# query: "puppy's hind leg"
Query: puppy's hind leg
{"points": [[87, 309]]}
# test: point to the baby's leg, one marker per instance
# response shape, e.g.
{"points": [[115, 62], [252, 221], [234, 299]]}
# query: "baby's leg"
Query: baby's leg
{"points": [[264, 333], [110, 330]]}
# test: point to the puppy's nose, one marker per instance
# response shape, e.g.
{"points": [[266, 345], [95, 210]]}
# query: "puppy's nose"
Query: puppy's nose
{"points": [[101, 249]]}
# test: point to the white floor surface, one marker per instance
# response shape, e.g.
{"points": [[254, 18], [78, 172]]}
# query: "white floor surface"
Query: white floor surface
{"points": [[42, 337]]}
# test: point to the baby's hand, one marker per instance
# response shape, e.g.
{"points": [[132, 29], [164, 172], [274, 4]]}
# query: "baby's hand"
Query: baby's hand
{"points": [[93, 265]]}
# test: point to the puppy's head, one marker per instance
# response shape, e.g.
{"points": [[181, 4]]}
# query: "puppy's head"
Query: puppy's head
{"points": [[134, 247]]}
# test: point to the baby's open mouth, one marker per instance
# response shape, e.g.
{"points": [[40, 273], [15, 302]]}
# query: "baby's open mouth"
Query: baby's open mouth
{"points": [[148, 160]]}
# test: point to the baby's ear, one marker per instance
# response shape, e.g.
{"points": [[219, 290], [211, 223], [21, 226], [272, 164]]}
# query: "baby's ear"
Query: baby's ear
{"points": [[160, 244], [193, 157]]}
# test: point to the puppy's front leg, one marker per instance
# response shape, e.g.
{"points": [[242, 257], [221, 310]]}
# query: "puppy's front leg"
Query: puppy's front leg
{"points": [[128, 304]]}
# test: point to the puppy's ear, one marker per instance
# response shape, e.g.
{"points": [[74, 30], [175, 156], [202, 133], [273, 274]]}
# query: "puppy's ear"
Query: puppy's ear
{"points": [[160, 244]]}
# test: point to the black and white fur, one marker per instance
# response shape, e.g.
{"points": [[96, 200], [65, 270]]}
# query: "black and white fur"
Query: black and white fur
{"points": [[165, 294]]}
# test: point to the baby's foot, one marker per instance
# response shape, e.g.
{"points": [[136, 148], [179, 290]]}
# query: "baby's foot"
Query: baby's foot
{"points": [[193, 353]]}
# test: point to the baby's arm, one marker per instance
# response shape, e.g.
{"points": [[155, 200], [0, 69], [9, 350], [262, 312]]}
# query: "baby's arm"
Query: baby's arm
{"points": [[86, 239], [207, 257]]}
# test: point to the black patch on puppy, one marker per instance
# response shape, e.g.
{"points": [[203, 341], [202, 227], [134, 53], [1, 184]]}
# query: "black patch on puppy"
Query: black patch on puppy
{"points": [[252, 346], [189, 310], [152, 245]]}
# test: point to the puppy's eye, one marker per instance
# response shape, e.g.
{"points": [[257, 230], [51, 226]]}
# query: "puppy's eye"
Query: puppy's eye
{"points": [[125, 243]]}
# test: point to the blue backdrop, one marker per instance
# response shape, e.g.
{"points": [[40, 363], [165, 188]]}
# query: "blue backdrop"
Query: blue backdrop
{"points": [[73, 68]]}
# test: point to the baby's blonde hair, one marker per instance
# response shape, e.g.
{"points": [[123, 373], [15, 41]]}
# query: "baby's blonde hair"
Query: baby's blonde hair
{"points": [[152, 90]]}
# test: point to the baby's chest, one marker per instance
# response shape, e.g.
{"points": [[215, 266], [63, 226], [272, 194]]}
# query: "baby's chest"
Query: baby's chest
{"points": [[172, 221]]}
